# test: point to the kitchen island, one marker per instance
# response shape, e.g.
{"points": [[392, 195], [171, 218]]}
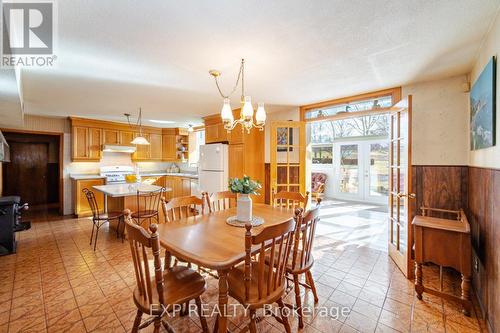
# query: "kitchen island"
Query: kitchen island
{"points": [[118, 197]]}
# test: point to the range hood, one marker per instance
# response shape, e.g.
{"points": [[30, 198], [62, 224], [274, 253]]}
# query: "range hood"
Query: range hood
{"points": [[128, 149], [4, 149]]}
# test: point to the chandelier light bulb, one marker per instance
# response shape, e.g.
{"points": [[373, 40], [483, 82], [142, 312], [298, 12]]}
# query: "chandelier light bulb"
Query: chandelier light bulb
{"points": [[226, 112], [260, 115], [247, 111]]}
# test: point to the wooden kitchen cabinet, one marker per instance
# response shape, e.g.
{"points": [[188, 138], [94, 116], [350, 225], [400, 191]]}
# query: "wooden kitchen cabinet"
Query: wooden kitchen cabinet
{"points": [[126, 137], [169, 147], [110, 137], [143, 152], [214, 130], [236, 161], [155, 147], [181, 186], [80, 202], [86, 143]]}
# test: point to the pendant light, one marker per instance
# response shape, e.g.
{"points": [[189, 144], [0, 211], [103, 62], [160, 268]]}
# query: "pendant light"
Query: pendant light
{"points": [[138, 140]]}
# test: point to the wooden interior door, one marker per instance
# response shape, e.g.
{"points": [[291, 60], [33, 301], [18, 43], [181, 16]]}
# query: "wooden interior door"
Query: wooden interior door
{"points": [[400, 231], [288, 156], [27, 173]]}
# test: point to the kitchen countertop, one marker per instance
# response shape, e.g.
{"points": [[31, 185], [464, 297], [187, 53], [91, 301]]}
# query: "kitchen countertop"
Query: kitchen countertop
{"points": [[85, 176], [142, 174], [125, 190], [175, 174]]}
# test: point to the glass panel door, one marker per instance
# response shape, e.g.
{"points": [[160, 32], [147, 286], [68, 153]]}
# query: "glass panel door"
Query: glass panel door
{"points": [[348, 171], [377, 171], [400, 232], [288, 156]]}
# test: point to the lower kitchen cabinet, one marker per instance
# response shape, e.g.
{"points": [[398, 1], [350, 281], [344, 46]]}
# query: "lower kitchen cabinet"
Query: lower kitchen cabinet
{"points": [[181, 186], [82, 207]]}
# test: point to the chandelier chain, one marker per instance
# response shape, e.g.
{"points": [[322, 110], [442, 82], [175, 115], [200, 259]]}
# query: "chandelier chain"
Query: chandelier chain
{"points": [[240, 77]]}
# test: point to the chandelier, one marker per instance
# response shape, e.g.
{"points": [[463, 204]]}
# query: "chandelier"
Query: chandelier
{"points": [[247, 113]]}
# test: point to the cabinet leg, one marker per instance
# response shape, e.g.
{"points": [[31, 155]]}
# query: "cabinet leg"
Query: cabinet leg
{"points": [[419, 288], [466, 301]]}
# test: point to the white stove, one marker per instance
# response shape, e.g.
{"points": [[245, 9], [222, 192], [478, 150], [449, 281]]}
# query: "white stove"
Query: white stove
{"points": [[116, 174]]}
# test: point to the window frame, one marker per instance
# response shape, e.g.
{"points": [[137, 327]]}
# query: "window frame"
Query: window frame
{"points": [[395, 94]]}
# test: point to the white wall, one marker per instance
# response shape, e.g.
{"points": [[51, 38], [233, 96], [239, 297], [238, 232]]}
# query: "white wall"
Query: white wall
{"points": [[488, 157], [439, 121]]}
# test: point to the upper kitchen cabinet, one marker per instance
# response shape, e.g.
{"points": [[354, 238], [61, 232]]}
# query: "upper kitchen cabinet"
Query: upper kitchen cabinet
{"points": [[110, 137], [169, 145], [86, 143], [126, 137], [155, 141], [88, 136], [214, 129]]}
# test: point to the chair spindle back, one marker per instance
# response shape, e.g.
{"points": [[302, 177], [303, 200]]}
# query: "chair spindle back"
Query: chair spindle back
{"points": [[220, 200], [92, 202], [305, 230], [291, 200], [141, 242], [279, 239], [181, 207]]}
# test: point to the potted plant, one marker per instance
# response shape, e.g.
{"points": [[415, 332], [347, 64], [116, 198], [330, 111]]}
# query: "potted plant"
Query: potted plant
{"points": [[244, 187]]}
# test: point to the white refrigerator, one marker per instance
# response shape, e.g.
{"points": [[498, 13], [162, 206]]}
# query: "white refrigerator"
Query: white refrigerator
{"points": [[213, 168]]}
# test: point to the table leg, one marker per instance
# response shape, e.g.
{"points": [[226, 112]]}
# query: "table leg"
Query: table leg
{"points": [[466, 295], [105, 203], [223, 300], [419, 288]]}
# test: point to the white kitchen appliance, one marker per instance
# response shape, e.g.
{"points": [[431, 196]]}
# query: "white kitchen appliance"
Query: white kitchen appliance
{"points": [[213, 168], [116, 174]]}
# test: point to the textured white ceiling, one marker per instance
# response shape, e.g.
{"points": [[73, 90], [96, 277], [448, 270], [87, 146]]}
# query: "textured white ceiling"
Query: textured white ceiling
{"points": [[117, 55]]}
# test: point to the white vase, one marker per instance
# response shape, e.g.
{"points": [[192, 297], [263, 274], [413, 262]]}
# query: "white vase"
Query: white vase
{"points": [[244, 208]]}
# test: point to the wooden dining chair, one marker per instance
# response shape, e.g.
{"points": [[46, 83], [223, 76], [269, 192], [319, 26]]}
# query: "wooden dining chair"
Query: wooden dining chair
{"points": [[292, 200], [148, 206], [254, 283], [98, 218], [302, 259], [181, 207], [159, 289], [220, 200]]}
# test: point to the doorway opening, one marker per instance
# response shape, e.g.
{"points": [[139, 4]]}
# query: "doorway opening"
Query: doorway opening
{"points": [[35, 172]]}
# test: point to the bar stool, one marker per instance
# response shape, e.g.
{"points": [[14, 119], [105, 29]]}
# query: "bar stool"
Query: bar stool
{"points": [[99, 219], [148, 204]]}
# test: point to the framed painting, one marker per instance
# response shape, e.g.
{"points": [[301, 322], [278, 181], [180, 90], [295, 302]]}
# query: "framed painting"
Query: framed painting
{"points": [[483, 108], [284, 136]]}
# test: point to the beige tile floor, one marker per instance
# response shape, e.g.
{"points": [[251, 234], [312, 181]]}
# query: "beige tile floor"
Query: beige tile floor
{"points": [[56, 283]]}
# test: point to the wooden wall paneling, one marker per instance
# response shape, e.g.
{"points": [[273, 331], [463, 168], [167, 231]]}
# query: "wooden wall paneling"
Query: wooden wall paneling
{"points": [[493, 259]]}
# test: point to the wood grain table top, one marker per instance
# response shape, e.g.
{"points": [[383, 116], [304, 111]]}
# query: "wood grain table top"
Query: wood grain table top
{"points": [[208, 241]]}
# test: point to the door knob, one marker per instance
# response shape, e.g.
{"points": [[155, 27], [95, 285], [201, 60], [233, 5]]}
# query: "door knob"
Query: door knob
{"points": [[408, 195]]}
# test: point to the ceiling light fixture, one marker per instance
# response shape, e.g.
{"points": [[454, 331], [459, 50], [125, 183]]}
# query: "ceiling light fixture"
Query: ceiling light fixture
{"points": [[140, 139], [246, 114], [190, 128]]}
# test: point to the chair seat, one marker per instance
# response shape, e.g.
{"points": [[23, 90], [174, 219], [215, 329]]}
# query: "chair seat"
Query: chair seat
{"points": [[298, 268], [144, 214], [181, 284], [236, 283], [110, 216]]}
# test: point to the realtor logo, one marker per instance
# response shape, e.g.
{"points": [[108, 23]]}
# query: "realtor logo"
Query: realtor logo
{"points": [[28, 33]]}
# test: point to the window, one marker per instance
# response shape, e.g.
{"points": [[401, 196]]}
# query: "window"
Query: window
{"points": [[328, 131], [322, 154], [370, 103]]}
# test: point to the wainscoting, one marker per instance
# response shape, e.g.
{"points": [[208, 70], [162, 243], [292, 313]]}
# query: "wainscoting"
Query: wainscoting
{"points": [[477, 190]]}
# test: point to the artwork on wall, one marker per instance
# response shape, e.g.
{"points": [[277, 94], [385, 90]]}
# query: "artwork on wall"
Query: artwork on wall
{"points": [[483, 108], [284, 136]]}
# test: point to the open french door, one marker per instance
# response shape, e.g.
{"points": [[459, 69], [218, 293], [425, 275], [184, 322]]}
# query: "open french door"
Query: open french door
{"points": [[288, 156], [400, 231]]}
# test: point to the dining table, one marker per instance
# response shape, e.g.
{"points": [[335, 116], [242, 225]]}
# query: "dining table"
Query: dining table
{"points": [[208, 241]]}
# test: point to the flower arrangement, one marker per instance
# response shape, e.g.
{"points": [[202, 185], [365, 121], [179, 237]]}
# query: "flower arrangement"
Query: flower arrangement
{"points": [[244, 185]]}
